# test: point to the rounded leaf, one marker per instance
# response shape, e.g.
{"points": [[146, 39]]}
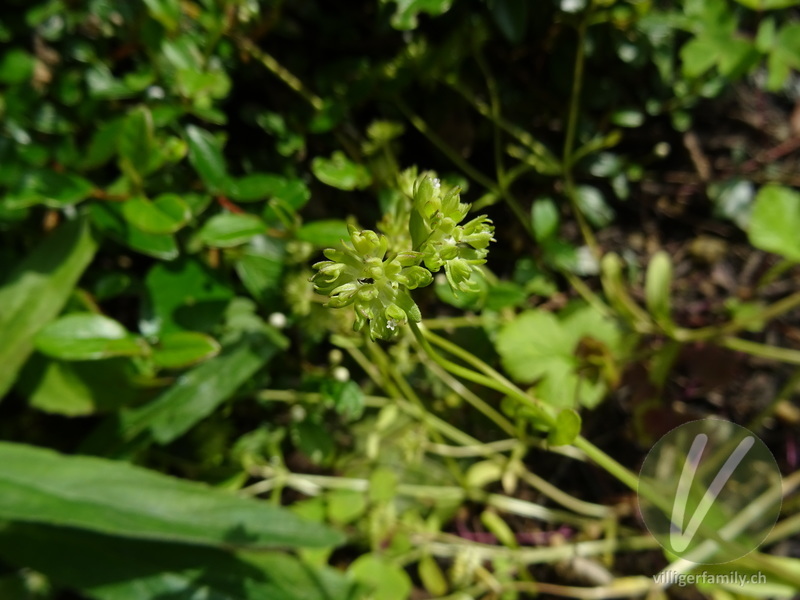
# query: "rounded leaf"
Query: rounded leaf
{"points": [[340, 172], [231, 229], [166, 214], [183, 349], [87, 336]]}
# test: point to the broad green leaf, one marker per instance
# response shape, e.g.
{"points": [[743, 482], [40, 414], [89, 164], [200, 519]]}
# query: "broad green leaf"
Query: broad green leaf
{"points": [[505, 294], [103, 144], [205, 154], [384, 579], [43, 186], [325, 233], [567, 428], [197, 393], [658, 284], [165, 214], [340, 172], [87, 336], [698, 56], [230, 229], [544, 219], [114, 568], [292, 192], [183, 296], [36, 291], [346, 397], [135, 142], [118, 498], [531, 343], [183, 349], [345, 506], [260, 273], [784, 56], [775, 221], [108, 218], [77, 388], [314, 440], [540, 347]]}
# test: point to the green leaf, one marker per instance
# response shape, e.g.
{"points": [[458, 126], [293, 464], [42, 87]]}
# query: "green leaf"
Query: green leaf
{"points": [[260, 273], [698, 56], [657, 289], [567, 428], [114, 568], [627, 118], [324, 233], [775, 221], [16, 66], [592, 204], [340, 172], [230, 229], [166, 214], [166, 12], [205, 155], [87, 336], [262, 186], [544, 219], [108, 218], [37, 290], [385, 580], [183, 349], [531, 343], [430, 573], [135, 142], [196, 394], [505, 294], [345, 506], [382, 485], [43, 186], [117, 498], [406, 14], [346, 397], [77, 388], [784, 56], [183, 296], [540, 347], [103, 144], [501, 530]]}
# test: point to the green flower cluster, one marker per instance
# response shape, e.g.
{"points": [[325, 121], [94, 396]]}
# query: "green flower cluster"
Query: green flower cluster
{"points": [[377, 286], [436, 233], [376, 281]]}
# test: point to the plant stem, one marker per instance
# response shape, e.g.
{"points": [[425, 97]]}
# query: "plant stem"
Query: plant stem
{"points": [[786, 355], [569, 141], [274, 67], [503, 385], [462, 164]]}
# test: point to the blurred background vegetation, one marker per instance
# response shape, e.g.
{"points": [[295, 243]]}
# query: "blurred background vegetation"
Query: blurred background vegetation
{"points": [[182, 418]]}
